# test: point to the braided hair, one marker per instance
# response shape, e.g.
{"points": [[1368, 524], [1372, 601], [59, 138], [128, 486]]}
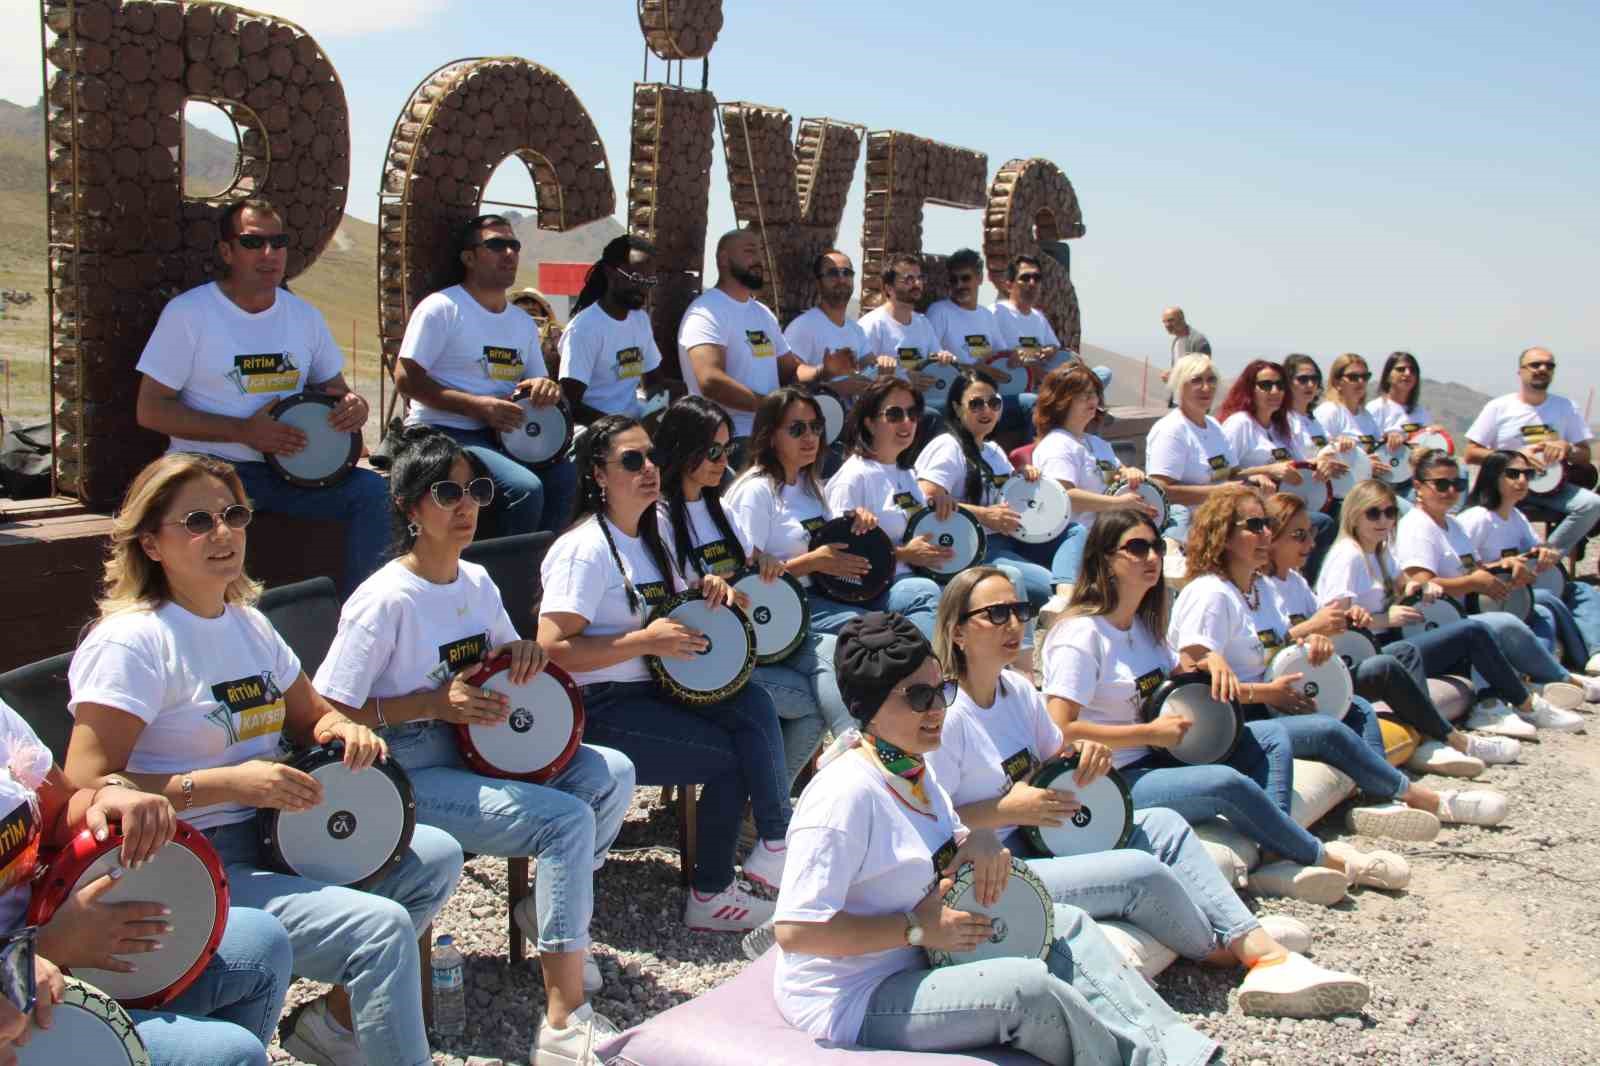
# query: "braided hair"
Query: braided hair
{"points": [[686, 429], [423, 457], [614, 254], [591, 455], [972, 492]]}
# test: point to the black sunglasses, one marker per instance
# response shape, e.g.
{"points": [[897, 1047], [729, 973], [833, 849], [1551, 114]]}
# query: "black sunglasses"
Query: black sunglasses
{"points": [[1254, 525], [799, 428], [998, 614], [1269, 385], [1141, 547], [1446, 484], [448, 493], [257, 241], [500, 244], [199, 523], [978, 403], [1028, 279], [838, 272], [1300, 535], [633, 459], [895, 414], [1351, 375], [1375, 513], [1308, 379], [1541, 365], [713, 453], [644, 281], [1517, 473], [924, 698]]}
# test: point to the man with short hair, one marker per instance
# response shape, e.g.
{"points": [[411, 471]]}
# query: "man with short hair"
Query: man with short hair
{"points": [[895, 327], [824, 337], [1547, 429], [1022, 325], [609, 348], [1185, 339], [467, 357], [224, 352], [969, 329]]}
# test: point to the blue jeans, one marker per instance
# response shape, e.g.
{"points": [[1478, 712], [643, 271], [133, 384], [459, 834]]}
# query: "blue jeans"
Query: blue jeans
{"points": [[1252, 790], [226, 1017], [361, 501], [525, 501], [1581, 507], [1397, 678], [1067, 560], [568, 823], [1037, 583], [733, 748], [1353, 745], [364, 940], [1583, 600], [915, 597], [1082, 1005], [1468, 646], [1525, 651], [805, 693], [1557, 627]]}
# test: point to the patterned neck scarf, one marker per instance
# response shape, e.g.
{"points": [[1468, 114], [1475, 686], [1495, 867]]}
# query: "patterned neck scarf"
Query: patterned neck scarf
{"points": [[902, 771]]}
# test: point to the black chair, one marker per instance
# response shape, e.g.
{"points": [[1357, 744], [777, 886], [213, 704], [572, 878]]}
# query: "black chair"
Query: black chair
{"points": [[513, 565], [306, 616], [39, 693]]}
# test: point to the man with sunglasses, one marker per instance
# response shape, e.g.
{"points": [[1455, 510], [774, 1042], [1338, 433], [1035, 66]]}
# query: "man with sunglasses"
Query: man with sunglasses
{"points": [[969, 329], [223, 353], [896, 328], [828, 343], [609, 347], [1547, 429], [467, 357], [1021, 324]]}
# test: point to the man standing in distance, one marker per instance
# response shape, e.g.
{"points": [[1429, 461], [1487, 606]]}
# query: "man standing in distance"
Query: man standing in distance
{"points": [[467, 357], [1185, 340], [608, 347], [824, 337], [223, 353]]}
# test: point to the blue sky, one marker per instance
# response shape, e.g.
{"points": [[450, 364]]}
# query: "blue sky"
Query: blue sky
{"points": [[1362, 177]]}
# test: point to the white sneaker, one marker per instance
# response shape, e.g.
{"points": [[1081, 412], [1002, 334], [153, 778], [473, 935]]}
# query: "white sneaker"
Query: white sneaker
{"points": [[1432, 757], [1375, 869], [735, 909], [575, 1045], [1292, 933], [1593, 665], [1562, 695], [1493, 750], [311, 1035], [1546, 716], [764, 864], [1476, 807], [1591, 690], [758, 940], [1493, 716], [1393, 820], [1296, 987], [1311, 884]]}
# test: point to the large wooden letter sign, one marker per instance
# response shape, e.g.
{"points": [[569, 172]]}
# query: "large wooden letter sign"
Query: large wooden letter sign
{"points": [[1032, 201]]}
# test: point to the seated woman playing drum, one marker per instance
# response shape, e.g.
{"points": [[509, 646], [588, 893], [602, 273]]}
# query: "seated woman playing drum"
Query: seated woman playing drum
{"points": [[876, 845], [600, 579], [408, 640], [1433, 549], [714, 539], [1344, 415], [185, 689], [242, 984], [1395, 675], [1312, 443], [997, 733], [1398, 405]]}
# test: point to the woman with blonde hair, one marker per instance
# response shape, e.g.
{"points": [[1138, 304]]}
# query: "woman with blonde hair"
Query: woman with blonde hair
{"points": [[1186, 451], [1344, 414], [184, 689]]}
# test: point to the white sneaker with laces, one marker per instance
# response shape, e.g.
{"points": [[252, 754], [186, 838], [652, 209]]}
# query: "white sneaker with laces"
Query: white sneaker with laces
{"points": [[1591, 690], [1296, 987], [311, 1035], [1292, 933], [1567, 697], [1493, 750], [1545, 716], [1311, 884], [1493, 716], [735, 909], [1476, 807], [1432, 757], [764, 864], [1375, 869], [1593, 665], [586, 1030], [1393, 820]]}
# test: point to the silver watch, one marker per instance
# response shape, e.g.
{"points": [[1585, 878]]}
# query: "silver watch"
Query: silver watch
{"points": [[913, 930]]}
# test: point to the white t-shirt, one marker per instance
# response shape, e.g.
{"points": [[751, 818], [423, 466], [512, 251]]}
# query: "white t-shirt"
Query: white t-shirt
{"points": [[1188, 454], [882, 488], [1387, 415], [971, 335], [609, 358], [580, 577], [982, 752], [1506, 423], [853, 848], [706, 542], [1349, 571], [24, 764], [1109, 673], [1024, 332], [1310, 437], [208, 690], [751, 343], [778, 523], [1494, 537], [1253, 444], [467, 347], [224, 360], [1419, 541], [1213, 613], [910, 343], [813, 335], [1340, 421], [1087, 462], [400, 633], [942, 463], [1294, 596]]}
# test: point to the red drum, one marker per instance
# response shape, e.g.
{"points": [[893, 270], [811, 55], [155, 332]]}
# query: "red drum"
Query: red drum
{"points": [[542, 734], [185, 876]]}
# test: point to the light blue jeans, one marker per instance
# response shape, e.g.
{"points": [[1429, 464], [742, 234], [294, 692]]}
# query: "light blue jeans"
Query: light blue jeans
{"points": [[361, 501], [525, 500], [364, 940], [1353, 745], [1581, 507], [1583, 600], [805, 694], [917, 598], [1162, 881], [1082, 1005], [1554, 623], [1525, 651], [568, 823], [226, 1017], [1033, 581], [1067, 559]]}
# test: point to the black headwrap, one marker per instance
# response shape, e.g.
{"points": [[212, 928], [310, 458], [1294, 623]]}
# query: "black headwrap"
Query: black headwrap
{"points": [[875, 653]]}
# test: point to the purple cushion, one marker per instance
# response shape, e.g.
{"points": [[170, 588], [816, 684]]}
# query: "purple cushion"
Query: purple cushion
{"points": [[725, 1026], [1452, 695]]}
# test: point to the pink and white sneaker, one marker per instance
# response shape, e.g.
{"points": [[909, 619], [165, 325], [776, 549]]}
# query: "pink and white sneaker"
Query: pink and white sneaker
{"points": [[764, 864], [735, 909]]}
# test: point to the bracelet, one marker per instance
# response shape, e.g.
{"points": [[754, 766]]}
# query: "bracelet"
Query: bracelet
{"points": [[186, 782], [382, 723]]}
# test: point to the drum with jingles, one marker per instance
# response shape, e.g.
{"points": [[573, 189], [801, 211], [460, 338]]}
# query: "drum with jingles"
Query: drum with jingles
{"points": [[1358, 468], [185, 876], [539, 736], [960, 533], [1435, 613], [719, 670], [832, 408], [542, 437], [874, 546], [1432, 440], [359, 832], [944, 375], [1215, 725], [1024, 918], [1104, 822], [1151, 492], [779, 610], [1354, 646], [1042, 506], [329, 453], [1328, 685], [87, 1028]]}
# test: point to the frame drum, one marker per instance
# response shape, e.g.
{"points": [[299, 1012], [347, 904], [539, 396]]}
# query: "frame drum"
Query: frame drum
{"points": [[832, 409], [1153, 494], [874, 546], [1104, 823], [1441, 612], [544, 435], [1518, 602], [1354, 647], [718, 672], [779, 610], [185, 876], [1043, 505], [1016, 385], [961, 533], [1399, 460], [1358, 468], [88, 1027], [1549, 479], [358, 833], [1218, 724], [328, 455], [1553, 580], [1024, 918], [1432, 438], [1329, 686], [1315, 493], [943, 375], [540, 736]]}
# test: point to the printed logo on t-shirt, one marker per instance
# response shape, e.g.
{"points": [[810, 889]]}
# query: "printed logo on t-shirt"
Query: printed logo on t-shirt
{"points": [[941, 858], [1029, 344], [1319, 440], [1534, 432], [761, 345], [1296, 619], [1147, 683], [909, 357], [457, 654], [1369, 443], [1280, 454], [19, 844], [502, 364], [1270, 640], [1410, 427], [715, 557], [978, 345], [248, 707], [652, 592], [1469, 561], [265, 372], [1506, 553], [1018, 766], [630, 362], [811, 525], [998, 480], [906, 501], [1219, 467], [1107, 468]]}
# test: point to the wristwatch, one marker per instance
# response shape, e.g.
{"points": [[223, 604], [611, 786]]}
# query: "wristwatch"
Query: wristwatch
{"points": [[913, 930]]}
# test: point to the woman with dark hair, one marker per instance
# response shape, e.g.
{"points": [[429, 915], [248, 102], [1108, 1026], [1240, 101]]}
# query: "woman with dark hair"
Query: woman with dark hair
{"points": [[608, 349], [407, 639], [1311, 440], [1398, 405], [600, 579]]}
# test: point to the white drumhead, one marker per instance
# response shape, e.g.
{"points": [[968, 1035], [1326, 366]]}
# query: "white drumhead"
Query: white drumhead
{"points": [[177, 879], [351, 833], [960, 533], [1024, 917], [1043, 506], [1151, 493], [1314, 492], [1435, 440], [1329, 685], [326, 450], [1100, 823], [1519, 602], [542, 434], [943, 375], [1019, 378], [776, 612], [1440, 612], [832, 416], [1353, 647], [1553, 580], [1399, 460], [87, 1028], [538, 730], [727, 648], [1359, 465], [1549, 479], [1215, 729]]}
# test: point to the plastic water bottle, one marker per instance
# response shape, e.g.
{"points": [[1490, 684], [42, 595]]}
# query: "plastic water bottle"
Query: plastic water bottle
{"points": [[449, 988]]}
